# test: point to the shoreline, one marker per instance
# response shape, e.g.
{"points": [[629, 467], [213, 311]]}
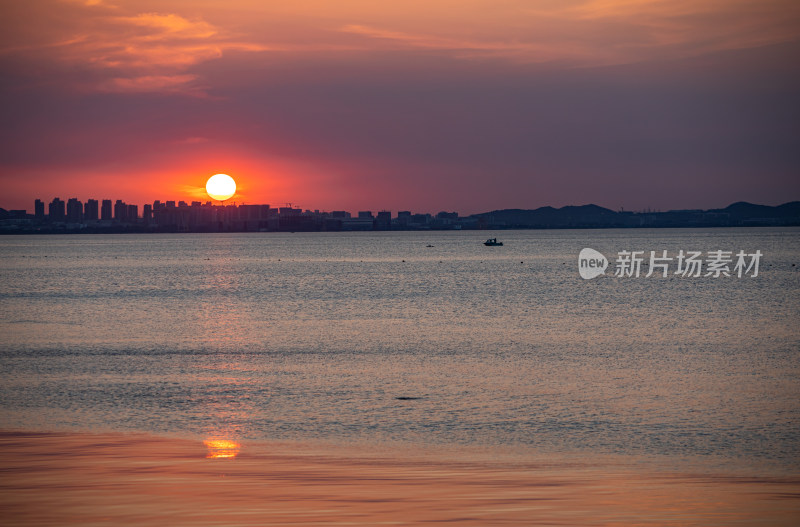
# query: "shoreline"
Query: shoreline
{"points": [[63, 478], [632, 228]]}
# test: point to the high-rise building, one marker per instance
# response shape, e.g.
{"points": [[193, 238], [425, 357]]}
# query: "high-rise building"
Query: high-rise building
{"points": [[420, 220], [56, 210], [38, 209], [365, 215], [133, 213], [383, 220], [120, 211], [90, 210], [74, 210], [147, 213], [105, 211]]}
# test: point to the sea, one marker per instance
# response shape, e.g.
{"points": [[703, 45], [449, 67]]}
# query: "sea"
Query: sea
{"points": [[412, 340]]}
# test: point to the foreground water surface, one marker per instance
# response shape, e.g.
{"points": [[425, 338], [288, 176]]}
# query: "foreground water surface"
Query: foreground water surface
{"points": [[376, 339]]}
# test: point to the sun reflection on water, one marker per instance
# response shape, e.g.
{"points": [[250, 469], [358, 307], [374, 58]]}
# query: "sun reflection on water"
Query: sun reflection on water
{"points": [[221, 448]]}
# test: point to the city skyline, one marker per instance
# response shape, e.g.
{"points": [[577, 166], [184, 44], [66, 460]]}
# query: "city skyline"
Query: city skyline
{"points": [[469, 107], [111, 203], [110, 206], [108, 216], [211, 216]]}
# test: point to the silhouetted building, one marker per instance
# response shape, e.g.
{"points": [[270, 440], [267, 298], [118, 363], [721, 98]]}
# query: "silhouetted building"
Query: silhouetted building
{"points": [[365, 215], [446, 220], [91, 210], [120, 211], [74, 211], [403, 218], [147, 214], [133, 213], [38, 209], [56, 210], [105, 210], [254, 217], [384, 220], [420, 221], [292, 219]]}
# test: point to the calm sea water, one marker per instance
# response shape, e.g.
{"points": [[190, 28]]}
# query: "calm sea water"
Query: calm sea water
{"points": [[315, 336]]}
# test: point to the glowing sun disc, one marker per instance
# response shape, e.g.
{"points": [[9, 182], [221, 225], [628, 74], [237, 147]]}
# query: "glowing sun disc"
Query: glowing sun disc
{"points": [[220, 187]]}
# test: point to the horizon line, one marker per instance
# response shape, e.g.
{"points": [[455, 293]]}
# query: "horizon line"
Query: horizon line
{"points": [[227, 203]]}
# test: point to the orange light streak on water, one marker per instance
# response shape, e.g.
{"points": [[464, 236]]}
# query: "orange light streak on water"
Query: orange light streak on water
{"points": [[222, 448], [117, 479]]}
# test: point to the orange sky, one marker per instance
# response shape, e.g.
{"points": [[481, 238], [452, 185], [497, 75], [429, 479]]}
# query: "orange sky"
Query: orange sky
{"points": [[433, 105]]}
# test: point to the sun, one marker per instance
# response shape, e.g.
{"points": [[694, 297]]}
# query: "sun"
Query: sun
{"points": [[221, 187]]}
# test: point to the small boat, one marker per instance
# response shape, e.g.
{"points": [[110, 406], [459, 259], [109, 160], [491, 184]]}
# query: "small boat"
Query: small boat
{"points": [[429, 245], [492, 242]]}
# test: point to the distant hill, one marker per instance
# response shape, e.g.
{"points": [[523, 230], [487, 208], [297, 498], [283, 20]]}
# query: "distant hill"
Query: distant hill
{"points": [[549, 217], [594, 216], [748, 211]]}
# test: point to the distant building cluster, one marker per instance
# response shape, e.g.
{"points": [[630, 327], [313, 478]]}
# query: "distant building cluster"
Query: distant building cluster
{"points": [[106, 216], [170, 216]]}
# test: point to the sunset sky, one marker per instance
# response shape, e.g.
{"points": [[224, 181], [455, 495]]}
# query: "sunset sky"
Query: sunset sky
{"points": [[467, 105]]}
